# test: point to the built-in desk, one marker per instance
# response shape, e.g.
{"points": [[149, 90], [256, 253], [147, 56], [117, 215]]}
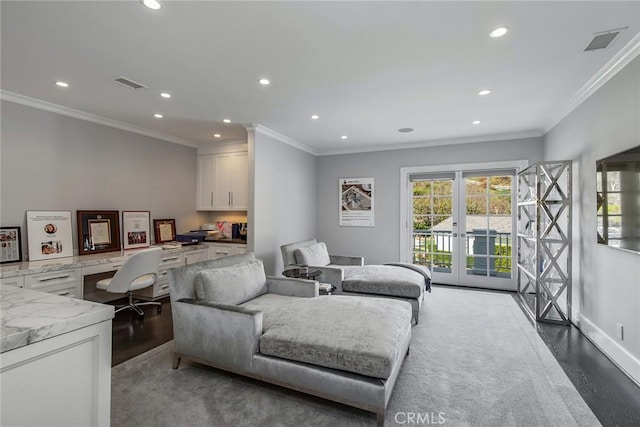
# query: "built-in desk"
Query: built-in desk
{"points": [[67, 276]]}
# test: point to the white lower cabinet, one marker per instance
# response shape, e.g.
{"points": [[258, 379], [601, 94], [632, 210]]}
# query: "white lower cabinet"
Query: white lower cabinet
{"points": [[61, 282], [161, 287], [219, 250], [196, 256], [64, 380]]}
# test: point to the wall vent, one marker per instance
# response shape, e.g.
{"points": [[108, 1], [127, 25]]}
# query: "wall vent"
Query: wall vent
{"points": [[128, 83], [602, 40]]}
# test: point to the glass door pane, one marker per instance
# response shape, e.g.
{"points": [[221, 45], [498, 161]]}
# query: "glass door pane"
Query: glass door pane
{"points": [[488, 230], [433, 226]]}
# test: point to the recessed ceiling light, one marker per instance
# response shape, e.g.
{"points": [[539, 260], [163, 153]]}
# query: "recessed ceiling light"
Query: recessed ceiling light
{"points": [[315, 117], [165, 95], [226, 120], [62, 84], [158, 116], [264, 81], [484, 92], [498, 32], [476, 122], [343, 137], [152, 4], [216, 135], [405, 130]]}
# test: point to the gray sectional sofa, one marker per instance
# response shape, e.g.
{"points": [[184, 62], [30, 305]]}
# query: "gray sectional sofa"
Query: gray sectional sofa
{"points": [[400, 281], [229, 315]]}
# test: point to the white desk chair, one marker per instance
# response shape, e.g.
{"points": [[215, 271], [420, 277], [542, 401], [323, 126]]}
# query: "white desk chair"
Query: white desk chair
{"points": [[138, 272]]}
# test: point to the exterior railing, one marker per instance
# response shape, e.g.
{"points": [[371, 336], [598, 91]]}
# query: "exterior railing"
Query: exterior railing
{"points": [[433, 248]]}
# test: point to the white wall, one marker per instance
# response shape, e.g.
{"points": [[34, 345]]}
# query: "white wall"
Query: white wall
{"points": [[606, 281], [282, 205], [54, 162], [381, 243]]}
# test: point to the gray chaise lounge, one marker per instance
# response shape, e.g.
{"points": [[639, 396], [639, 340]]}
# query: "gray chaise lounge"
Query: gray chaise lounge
{"points": [[351, 277], [228, 315]]}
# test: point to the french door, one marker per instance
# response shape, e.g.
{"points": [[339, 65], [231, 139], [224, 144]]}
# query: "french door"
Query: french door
{"points": [[460, 224]]}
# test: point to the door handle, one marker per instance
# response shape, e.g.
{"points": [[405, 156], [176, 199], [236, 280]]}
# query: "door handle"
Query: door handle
{"points": [[455, 234], [211, 199]]}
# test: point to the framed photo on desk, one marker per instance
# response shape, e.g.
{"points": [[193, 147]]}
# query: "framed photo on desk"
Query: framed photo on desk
{"points": [[10, 245], [135, 229], [164, 230], [49, 234], [98, 231]]}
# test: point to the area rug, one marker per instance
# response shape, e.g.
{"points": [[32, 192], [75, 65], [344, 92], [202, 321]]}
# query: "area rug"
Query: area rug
{"points": [[475, 361]]}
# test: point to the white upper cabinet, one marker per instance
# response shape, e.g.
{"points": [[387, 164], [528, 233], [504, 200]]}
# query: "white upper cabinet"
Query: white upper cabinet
{"points": [[222, 182]]}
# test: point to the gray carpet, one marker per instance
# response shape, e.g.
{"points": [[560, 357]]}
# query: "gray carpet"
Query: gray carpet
{"points": [[475, 361]]}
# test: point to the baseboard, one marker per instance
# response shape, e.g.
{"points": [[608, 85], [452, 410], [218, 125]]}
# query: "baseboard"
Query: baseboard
{"points": [[624, 360]]}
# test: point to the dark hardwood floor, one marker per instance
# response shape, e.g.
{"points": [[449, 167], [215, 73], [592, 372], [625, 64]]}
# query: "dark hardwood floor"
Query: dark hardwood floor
{"points": [[611, 395], [132, 335]]}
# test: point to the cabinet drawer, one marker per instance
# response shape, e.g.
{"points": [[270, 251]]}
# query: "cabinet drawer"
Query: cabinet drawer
{"points": [[17, 281], [44, 281], [219, 251], [239, 249], [170, 261], [161, 288], [70, 290]]}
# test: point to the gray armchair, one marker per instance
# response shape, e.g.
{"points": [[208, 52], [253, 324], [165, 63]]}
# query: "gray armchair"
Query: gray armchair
{"points": [[350, 276], [332, 271]]}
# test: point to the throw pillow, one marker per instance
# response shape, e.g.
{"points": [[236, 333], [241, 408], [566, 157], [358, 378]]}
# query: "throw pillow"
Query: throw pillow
{"points": [[314, 255], [232, 285]]}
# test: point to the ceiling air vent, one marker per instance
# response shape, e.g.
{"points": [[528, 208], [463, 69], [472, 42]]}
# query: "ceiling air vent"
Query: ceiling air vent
{"points": [[128, 83], [603, 40]]}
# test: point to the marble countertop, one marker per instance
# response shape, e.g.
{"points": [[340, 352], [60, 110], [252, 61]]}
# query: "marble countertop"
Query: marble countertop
{"points": [[32, 267], [28, 316]]}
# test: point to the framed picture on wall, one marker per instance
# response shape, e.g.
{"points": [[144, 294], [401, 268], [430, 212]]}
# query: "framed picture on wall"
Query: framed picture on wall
{"points": [[164, 230], [355, 202], [49, 234], [10, 245], [98, 231], [135, 229]]}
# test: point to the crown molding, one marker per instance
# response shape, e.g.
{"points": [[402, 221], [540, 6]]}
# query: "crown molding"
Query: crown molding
{"points": [[620, 60], [280, 137], [435, 143], [93, 118]]}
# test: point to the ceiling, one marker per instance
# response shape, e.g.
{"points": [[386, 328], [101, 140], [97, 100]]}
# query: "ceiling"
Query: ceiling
{"points": [[366, 68]]}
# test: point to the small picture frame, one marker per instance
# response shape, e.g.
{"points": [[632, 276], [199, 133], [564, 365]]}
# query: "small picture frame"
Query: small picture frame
{"points": [[135, 229], [10, 245], [98, 231], [49, 235], [164, 230]]}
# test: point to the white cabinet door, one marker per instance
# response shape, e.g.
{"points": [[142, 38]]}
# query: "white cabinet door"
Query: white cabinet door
{"points": [[239, 180], [222, 182], [206, 176], [224, 172]]}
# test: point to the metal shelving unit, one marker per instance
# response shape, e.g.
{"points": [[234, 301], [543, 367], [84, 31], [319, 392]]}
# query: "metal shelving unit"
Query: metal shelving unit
{"points": [[544, 241]]}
